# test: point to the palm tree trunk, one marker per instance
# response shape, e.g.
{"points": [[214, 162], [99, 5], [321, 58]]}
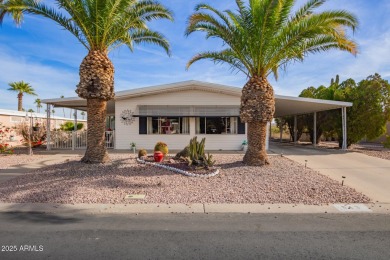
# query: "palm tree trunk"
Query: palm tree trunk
{"points": [[96, 148], [20, 102], [257, 108], [256, 155], [97, 86]]}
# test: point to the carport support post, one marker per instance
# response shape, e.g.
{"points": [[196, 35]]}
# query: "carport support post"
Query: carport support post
{"points": [[74, 132], [48, 145], [315, 130], [295, 129], [344, 127], [267, 135], [75, 120], [281, 129]]}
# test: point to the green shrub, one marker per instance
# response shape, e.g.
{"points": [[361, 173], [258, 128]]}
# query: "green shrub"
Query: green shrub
{"points": [[386, 143], [69, 126], [142, 153], [161, 147]]}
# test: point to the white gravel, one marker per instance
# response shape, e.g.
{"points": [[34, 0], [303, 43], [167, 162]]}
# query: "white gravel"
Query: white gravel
{"points": [[284, 181]]}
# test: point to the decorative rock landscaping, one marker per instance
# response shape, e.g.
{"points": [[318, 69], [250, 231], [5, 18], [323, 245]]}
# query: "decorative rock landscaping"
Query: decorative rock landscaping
{"points": [[186, 173], [283, 181]]}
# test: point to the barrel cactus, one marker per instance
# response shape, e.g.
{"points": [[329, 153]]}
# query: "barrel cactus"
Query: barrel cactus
{"points": [[161, 147], [142, 153]]}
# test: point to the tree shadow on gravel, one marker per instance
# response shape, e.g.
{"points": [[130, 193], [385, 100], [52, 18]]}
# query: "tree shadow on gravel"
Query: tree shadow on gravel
{"points": [[231, 165], [57, 183], [39, 217]]}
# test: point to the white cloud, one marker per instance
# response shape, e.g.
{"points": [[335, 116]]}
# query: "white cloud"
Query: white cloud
{"points": [[47, 81]]}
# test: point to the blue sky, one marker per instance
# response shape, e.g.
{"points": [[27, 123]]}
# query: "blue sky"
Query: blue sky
{"points": [[47, 57]]}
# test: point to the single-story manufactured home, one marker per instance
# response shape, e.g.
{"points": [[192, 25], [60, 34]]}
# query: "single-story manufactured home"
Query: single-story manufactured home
{"points": [[174, 113]]}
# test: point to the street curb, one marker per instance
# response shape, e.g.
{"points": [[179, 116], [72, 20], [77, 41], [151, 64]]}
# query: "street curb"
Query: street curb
{"points": [[378, 208]]}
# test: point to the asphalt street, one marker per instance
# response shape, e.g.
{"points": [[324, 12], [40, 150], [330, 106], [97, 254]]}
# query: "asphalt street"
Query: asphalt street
{"points": [[34, 235]]}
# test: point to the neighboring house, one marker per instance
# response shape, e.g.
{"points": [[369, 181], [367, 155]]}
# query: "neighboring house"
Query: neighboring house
{"points": [[11, 118], [174, 113]]}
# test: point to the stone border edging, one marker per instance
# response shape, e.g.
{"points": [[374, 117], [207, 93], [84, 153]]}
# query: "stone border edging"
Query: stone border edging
{"points": [[189, 174]]}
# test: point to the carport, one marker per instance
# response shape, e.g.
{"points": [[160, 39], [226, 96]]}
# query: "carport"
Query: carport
{"points": [[294, 106]]}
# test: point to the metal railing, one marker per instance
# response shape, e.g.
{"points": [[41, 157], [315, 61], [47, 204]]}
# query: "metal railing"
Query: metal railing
{"points": [[72, 140]]}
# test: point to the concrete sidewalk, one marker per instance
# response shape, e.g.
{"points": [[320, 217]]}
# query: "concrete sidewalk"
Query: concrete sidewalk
{"points": [[194, 208], [367, 174]]}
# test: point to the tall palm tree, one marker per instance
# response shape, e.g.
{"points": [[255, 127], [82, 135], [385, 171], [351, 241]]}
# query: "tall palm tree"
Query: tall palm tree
{"points": [[39, 104], [63, 109], [22, 88], [82, 114], [260, 38], [100, 26]]}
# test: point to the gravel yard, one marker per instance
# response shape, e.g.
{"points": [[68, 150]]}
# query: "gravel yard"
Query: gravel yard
{"points": [[20, 157], [370, 149], [284, 181]]}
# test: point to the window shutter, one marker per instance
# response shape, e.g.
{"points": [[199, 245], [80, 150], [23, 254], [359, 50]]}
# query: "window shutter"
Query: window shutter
{"points": [[143, 125], [240, 127], [202, 125]]}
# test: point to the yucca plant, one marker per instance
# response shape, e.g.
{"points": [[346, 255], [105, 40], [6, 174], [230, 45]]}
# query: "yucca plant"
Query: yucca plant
{"points": [[260, 38], [100, 26]]}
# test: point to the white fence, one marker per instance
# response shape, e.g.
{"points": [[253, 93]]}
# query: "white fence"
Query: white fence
{"points": [[76, 139]]}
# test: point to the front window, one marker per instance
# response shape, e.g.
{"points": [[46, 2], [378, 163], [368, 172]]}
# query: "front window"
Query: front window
{"points": [[216, 125], [168, 125]]}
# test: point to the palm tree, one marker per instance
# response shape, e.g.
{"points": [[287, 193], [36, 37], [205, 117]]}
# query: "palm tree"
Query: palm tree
{"points": [[82, 114], [22, 88], [260, 38], [100, 26], [39, 104], [31, 110], [63, 109]]}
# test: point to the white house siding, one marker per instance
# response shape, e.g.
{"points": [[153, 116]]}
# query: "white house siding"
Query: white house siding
{"points": [[125, 134]]}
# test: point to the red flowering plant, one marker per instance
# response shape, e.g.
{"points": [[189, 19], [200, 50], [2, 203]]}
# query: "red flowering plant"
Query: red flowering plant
{"points": [[5, 135], [36, 138]]}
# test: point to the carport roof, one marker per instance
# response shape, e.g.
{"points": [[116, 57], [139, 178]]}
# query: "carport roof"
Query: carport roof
{"points": [[284, 105]]}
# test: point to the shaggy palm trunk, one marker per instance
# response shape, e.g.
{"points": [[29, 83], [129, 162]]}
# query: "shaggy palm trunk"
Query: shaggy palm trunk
{"points": [[256, 153], [257, 108], [97, 86], [96, 147], [20, 102]]}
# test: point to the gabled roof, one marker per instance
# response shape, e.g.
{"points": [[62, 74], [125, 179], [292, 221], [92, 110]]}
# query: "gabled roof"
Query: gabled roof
{"points": [[179, 86]]}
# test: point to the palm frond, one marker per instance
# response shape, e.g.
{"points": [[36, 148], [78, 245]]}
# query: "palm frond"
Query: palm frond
{"points": [[98, 24], [266, 35]]}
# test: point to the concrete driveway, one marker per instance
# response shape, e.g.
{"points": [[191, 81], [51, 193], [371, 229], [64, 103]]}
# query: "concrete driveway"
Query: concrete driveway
{"points": [[369, 175]]}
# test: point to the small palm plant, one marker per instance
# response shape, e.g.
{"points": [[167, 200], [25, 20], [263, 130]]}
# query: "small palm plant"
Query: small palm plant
{"points": [[22, 88], [260, 38]]}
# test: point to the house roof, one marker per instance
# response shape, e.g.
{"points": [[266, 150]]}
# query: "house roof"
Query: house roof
{"points": [[285, 105]]}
